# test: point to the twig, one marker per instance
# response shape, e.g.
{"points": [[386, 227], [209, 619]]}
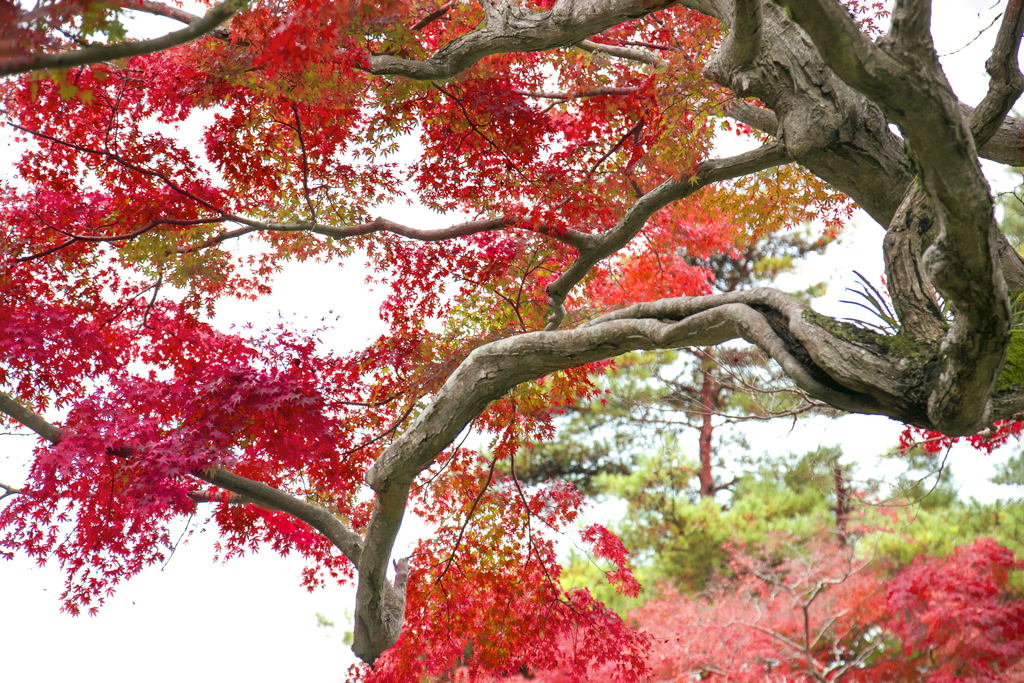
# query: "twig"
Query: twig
{"points": [[305, 164], [469, 518]]}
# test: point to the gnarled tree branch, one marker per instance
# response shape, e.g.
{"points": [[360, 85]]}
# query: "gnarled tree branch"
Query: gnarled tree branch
{"points": [[768, 318], [1005, 80], [511, 28], [741, 46], [902, 74], [817, 119]]}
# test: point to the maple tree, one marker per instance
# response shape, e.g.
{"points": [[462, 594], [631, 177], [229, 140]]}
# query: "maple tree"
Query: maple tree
{"points": [[802, 609], [576, 135], [808, 612]]}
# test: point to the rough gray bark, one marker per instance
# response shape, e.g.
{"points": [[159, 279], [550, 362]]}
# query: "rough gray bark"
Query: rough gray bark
{"points": [[511, 28], [830, 95], [902, 75]]}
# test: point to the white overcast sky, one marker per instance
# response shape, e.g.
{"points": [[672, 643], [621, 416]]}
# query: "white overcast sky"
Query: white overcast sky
{"points": [[249, 619]]}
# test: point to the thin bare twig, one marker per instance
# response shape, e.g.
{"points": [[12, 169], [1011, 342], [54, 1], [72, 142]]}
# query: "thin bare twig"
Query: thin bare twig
{"points": [[469, 518], [305, 164]]}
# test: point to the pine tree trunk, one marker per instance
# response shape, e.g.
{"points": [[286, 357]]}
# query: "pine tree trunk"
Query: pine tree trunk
{"points": [[707, 403]]}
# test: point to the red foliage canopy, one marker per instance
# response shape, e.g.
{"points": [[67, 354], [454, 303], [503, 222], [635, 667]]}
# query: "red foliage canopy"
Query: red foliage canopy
{"points": [[136, 177]]}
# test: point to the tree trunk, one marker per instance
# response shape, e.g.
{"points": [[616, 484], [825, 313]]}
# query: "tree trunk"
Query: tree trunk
{"points": [[842, 509], [708, 391]]}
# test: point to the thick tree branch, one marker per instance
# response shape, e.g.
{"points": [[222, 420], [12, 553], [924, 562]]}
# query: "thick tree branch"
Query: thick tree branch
{"points": [[746, 30], [911, 230], [767, 318], [741, 46], [347, 541], [599, 247], [842, 137], [854, 374], [827, 126], [763, 120], [216, 16], [910, 27], [511, 28], [902, 74], [848, 368], [775, 322], [912, 294]]}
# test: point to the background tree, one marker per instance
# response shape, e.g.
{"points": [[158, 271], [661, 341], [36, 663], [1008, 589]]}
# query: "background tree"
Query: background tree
{"points": [[576, 136], [668, 393], [812, 613], [681, 542]]}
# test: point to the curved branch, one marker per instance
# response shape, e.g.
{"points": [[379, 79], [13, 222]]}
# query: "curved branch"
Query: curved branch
{"points": [[216, 16], [912, 294], [159, 9], [492, 370], [741, 46], [599, 247], [270, 498], [1006, 83], [855, 374]]}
